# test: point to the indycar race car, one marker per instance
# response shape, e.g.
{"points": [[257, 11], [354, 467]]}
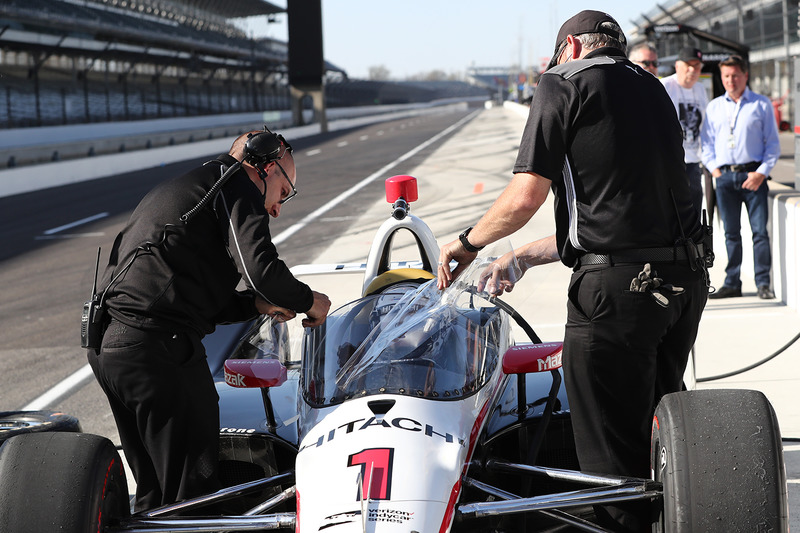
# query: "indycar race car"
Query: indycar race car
{"points": [[411, 410]]}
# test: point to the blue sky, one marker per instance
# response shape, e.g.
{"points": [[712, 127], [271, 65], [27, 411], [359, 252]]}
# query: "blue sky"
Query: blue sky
{"points": [[414, 36]]}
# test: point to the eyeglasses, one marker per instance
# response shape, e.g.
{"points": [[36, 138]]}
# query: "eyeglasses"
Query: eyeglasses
{"points": [[294, 191], [648, 63]]}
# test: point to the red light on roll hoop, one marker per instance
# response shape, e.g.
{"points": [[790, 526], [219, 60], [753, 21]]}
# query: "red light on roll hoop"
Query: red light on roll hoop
{"points": [[401, 186]]}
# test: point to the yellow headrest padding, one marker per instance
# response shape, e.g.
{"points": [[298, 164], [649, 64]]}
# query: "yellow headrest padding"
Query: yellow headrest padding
{"points": [[397, 275]]}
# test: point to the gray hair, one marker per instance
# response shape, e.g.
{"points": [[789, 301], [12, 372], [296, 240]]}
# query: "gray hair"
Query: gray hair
{"points": [[642, 46], [592, 41]]}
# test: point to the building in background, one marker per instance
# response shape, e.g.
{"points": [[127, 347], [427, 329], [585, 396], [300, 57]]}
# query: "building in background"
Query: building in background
{"points": [[767, 28]]}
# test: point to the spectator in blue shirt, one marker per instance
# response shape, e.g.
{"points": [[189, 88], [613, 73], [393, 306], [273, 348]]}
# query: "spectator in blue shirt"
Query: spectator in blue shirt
{"points": [[740, 147]]}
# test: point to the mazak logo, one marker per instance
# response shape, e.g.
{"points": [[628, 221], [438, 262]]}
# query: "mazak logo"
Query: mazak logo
{"points": [[234, 380], [551, 362]]}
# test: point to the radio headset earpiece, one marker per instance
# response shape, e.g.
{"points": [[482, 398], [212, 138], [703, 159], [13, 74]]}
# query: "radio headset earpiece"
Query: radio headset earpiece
{"points": [[260, 149]]}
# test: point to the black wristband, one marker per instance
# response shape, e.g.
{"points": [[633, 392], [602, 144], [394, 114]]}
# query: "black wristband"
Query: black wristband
{"points": [[466, 244]]}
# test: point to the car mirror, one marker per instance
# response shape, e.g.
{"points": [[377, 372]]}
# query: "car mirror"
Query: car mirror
{"points": [[254, 373], [531, 358]]}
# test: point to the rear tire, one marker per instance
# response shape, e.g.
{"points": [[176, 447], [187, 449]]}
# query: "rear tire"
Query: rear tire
{"points": [[61, 482], [719, 455], [14, 423]]}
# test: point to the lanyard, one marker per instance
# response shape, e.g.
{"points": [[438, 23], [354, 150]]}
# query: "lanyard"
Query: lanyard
{"points": [[732, 118]]}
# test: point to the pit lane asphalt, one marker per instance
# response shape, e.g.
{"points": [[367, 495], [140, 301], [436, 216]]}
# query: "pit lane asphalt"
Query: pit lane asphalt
{"points": [[459, 178], [46, 275]]}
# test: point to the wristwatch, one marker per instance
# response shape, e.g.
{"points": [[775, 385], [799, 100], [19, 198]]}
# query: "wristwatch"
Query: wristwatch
{"points": [[466, 244]]}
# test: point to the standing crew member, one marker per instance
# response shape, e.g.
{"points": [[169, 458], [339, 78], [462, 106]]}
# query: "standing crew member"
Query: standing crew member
{"points": [[603, 134], [171, 278], [690, 102], [740, 148]]}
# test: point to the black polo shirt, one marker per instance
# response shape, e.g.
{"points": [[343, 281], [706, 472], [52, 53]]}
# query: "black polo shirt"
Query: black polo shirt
{"points": [[606, 134], [166, 275]]}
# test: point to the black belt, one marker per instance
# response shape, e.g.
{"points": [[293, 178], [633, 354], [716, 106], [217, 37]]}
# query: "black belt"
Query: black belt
{"points": [[638, 255], [746, 167]]}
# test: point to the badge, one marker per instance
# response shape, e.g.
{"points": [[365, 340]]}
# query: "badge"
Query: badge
{"points": [[731, 142]]}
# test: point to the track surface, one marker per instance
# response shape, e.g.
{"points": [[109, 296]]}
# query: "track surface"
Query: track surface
{"points": [[50, 241]]}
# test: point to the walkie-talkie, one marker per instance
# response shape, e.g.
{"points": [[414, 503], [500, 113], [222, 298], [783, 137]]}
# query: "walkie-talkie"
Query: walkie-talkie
{"points": [[92, 318]]}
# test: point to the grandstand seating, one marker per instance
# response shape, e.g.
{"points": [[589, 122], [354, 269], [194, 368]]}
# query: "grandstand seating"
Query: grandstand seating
{"points": [[88, 61]]}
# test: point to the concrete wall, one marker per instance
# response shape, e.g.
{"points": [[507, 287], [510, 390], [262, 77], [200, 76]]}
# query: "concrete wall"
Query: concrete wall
{"points": [[40, 176]]}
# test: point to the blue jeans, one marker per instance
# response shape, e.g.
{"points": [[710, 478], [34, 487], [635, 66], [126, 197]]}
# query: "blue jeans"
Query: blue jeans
{"points": [[730, 197]]}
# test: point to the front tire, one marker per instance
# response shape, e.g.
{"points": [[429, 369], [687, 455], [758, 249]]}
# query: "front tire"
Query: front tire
{"points": [[13, 423], [61, 482], [719, 455]]}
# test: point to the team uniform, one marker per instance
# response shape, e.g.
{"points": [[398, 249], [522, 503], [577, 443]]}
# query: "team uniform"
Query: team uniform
{"points": [[606, 134], [168, 285]]}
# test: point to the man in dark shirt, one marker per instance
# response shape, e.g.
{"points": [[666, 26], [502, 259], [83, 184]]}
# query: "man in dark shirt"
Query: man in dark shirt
{"points": [[172, 277], [603, 135]]}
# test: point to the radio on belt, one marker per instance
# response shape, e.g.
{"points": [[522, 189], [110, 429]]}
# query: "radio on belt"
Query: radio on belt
{"points": [[400, 191]]}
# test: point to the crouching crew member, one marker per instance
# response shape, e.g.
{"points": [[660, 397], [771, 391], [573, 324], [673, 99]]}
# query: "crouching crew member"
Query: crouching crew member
{"points": [[171, 278]]}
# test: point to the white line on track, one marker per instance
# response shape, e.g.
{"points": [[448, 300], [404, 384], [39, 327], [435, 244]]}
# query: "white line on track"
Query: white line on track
{"points": [[342, 144], [366, 181], [76, 223], [77, 380], [313, 152], [65, 388]]}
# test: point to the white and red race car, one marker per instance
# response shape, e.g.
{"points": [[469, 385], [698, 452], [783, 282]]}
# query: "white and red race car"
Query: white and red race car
{"points": [[411, 410]]}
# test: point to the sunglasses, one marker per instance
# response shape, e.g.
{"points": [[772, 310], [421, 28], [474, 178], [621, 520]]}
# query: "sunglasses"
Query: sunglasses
{"points": [[648, 63], [294, 191]]}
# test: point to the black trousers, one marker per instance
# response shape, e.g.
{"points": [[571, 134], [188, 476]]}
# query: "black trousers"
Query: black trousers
{"points": [[166, 408], [622, 353]]}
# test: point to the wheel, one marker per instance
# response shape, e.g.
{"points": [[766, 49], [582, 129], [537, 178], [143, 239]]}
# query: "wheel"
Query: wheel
{"points": [[719, 456], [18, 422], [61, 482]]}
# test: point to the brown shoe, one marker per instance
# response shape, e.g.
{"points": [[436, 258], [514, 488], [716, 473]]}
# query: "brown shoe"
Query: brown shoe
{"points": [[726, 292]]}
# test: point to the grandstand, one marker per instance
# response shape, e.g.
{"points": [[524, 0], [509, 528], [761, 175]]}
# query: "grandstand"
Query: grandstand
{"points": [[86, 61], [75, 61]]}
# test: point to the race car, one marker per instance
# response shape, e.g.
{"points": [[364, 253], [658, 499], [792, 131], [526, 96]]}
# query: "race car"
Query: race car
{"points": [[410, 410]]}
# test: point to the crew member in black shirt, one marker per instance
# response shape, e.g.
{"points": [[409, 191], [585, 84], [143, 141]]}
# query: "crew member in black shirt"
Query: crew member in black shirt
{"points": [[603, 135], [168, 283]]}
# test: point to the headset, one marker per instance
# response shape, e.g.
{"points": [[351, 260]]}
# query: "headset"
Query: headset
{"points": [[261, 149]]}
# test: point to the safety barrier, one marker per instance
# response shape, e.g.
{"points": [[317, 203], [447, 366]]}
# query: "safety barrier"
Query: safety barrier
{"points": [[133, 153]]}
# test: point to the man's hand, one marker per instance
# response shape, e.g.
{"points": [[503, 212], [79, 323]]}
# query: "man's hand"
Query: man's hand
{"points": [[280, 314], [318, 312], [454, 250], [500, 276], [753, 181]]}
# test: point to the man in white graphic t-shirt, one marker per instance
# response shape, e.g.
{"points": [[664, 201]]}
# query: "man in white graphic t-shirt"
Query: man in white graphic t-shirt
{"points": [[690, 101]]}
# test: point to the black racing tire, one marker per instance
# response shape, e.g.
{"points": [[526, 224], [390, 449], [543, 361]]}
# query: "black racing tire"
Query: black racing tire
{"points": [[61, 482], [14, 423], [719, 456]]}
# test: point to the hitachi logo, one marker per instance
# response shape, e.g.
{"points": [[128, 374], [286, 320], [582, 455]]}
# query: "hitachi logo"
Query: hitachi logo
{"points": [[401, 422]]}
